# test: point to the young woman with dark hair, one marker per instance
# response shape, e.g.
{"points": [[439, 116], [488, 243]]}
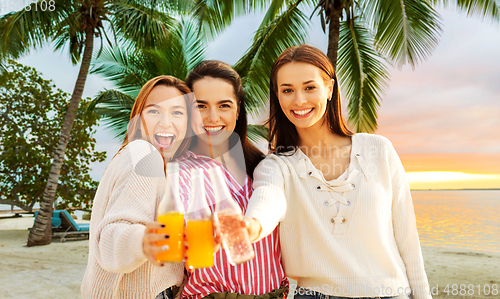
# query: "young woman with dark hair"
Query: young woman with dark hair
{"points": [[283, 132], [219, 123], [342, 200], [213, 71]]}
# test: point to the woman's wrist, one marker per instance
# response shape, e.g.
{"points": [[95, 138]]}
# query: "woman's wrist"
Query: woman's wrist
{"points": [[254, 228]]}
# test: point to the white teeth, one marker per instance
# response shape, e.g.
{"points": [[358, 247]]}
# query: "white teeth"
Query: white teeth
{"points": [[164, 134], [214, 129], [302, 112]]}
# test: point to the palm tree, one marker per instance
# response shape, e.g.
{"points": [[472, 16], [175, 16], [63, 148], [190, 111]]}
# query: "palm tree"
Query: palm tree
{"points": [[363, 36], [130, 68], [76, 23]]}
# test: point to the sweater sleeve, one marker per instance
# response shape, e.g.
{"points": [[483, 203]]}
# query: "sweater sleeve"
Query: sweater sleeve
{"points": [[405, 228], [268, 203], [131, 205]]}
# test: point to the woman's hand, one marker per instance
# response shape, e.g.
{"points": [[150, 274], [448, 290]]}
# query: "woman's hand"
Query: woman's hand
{"points": [[217, 234], [150, 239], [254, 228]]}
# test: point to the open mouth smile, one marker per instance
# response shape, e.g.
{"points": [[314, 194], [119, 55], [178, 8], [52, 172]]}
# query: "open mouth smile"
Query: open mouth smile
{"points": [[164, 140]]}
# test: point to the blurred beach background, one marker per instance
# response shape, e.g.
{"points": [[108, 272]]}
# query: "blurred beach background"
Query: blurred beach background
{"points": [[442, 117]]}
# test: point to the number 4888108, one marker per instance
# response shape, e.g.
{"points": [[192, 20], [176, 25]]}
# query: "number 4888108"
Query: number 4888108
{"points": [[470, 290]]}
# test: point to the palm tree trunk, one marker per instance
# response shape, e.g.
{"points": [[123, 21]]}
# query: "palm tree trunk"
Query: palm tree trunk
{"points": [[333, 32], [41, 233]]}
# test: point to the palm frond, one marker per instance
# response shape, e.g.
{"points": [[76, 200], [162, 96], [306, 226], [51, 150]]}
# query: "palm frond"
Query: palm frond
{"points": [[170, 6], [257, 133], [406, 31], [483, 9], [289, 29], [145, 26], [214, 16], [193, 46], [26, 29], [363, 75], [129, 67], [275, 9], [114, 108], [67, 32], [126, 67], [169, 57], [182, 51]]}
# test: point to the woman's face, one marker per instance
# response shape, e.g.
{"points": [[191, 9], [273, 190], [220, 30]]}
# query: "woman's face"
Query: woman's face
{"points": [[218, 110], [303, 93], [164, 119]]}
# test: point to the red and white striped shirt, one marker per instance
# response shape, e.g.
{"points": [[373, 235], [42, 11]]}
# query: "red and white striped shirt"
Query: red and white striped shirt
{"points": [[258, 276]]}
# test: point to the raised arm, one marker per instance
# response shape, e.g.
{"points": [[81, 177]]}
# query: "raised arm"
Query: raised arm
{"points": [[405, 228], [267, 206]]}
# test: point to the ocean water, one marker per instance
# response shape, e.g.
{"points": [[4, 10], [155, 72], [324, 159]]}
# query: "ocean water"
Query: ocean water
{"points": [[462, 219]]}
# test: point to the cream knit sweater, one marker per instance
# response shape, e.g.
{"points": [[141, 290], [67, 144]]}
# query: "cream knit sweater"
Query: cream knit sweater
{"points": [[127, 198], [354, 236]]}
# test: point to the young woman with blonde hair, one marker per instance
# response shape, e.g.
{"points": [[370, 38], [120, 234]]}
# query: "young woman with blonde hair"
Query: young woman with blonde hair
{"points": [[122, 242]]}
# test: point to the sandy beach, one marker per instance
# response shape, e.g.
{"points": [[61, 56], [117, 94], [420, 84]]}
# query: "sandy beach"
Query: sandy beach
{"points": [[56, 270]]}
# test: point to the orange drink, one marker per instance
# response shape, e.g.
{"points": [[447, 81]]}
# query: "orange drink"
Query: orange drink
{"points": [[174, 227], [201, 244]]}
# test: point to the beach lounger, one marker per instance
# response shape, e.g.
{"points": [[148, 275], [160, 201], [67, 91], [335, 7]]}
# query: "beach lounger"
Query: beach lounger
{"points": [[65, 228], [76, 231], [56, 220]]}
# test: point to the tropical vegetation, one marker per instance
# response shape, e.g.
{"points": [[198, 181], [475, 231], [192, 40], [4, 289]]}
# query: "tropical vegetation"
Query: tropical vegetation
{"points": [[33, 111], [75, 24]]}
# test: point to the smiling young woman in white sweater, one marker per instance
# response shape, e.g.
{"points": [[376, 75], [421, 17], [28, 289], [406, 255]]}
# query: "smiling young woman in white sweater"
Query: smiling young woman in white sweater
{"points": [[347, 225]]}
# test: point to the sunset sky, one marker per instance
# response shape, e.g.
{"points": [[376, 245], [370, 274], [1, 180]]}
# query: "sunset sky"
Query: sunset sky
{"points": [[442, 117]]}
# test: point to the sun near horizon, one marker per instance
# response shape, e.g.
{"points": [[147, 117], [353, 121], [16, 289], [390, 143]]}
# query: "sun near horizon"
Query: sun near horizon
{"points": [[436, 180], [452, 171]]}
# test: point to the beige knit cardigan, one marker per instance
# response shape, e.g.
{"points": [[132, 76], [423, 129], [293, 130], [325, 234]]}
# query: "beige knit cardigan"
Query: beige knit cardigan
{"points": [[127, 198]]}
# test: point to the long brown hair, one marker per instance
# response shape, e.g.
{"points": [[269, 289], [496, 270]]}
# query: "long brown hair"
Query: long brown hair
{"points": [[220, 70], [283, 135], [133, 131]]}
